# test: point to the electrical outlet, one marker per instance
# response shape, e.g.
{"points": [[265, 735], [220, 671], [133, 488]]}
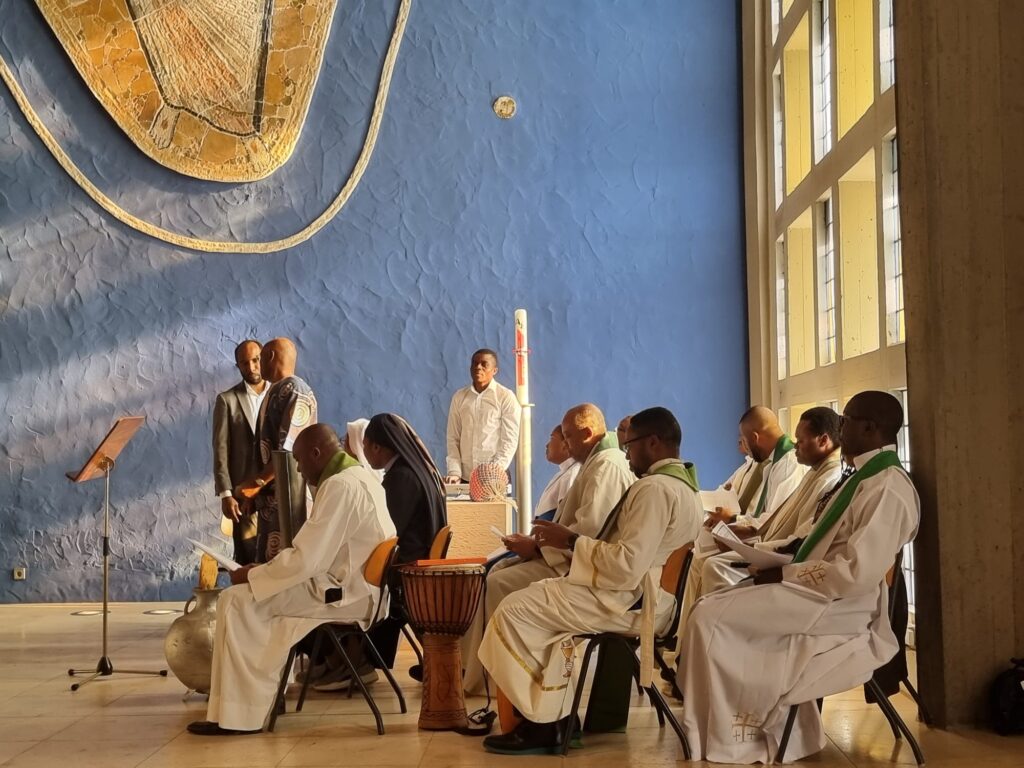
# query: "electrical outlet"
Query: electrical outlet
{"points": [[20, 574]]}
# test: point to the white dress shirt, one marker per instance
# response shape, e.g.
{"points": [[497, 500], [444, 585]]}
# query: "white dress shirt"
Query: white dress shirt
{"points": [[483, 428], [252, 402], [558, 486]]}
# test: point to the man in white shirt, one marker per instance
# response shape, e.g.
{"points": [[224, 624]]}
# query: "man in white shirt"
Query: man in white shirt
{"points": [[483, 421], [316, 580], [234, 446], [815, 627]]}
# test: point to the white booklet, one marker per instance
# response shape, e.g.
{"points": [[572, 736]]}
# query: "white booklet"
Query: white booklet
{"points": [[227, 562], [727, 500], [759, 558]]}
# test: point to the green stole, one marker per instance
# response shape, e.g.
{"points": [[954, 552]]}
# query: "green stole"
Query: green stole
{"points": [[339, 463], [874, 465], [609, 442], [784, 446]]}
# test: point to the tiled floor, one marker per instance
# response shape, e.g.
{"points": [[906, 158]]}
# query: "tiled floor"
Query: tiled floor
{"points": [[122, 722]]}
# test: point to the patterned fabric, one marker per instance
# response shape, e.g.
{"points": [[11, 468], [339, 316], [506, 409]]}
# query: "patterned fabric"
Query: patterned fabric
{"points": [[288, 408], [488, 483]]}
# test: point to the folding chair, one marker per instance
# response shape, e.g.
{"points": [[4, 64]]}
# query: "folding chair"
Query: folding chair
{"points": [[899, 728], [375, 571], [674, 576], [438, 551]]}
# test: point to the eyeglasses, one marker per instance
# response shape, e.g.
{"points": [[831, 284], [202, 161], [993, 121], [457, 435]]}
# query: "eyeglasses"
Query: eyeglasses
{"points": [[625, 444]]}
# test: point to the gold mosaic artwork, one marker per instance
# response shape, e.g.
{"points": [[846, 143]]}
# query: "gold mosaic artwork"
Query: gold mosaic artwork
{"points": [[216, 89]]}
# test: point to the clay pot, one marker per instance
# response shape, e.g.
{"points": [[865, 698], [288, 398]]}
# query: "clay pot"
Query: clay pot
{"points": [[189, 642]]}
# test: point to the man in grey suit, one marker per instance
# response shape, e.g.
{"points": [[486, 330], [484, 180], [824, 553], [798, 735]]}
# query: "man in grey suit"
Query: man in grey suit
{"points": [[234, 445]]}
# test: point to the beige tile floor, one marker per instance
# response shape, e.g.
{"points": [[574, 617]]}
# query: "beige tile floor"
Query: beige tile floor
{"points": [[123, 722]]}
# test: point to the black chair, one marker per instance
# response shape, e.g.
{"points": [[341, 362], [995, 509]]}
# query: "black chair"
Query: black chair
{"points": [[673, 579], [872, 687], [674, 576], [375, 572]]}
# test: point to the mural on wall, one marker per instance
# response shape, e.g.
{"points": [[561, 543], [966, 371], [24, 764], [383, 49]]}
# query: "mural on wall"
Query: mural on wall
{"points": [[215, 61], [215, 89]]}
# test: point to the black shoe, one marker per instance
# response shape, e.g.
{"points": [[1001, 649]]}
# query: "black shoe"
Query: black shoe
{"points": [[206, 728], [416, 672], [530, 738]]}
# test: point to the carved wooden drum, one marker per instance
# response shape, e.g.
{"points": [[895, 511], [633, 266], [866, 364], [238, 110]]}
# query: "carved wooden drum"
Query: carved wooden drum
{"points": [[441, 601]]}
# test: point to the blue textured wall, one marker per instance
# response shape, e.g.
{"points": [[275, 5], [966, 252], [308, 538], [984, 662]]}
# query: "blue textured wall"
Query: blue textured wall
{"points": [[610, 208]]}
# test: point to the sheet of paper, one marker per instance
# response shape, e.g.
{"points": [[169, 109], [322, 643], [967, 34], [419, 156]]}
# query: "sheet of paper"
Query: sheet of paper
{"points": [[705, 541], [227, 562], [498, 532], [727, 500], [756, 557]]}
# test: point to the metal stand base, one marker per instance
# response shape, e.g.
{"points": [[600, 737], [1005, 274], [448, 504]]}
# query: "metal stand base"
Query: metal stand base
{"points": [[104, 668]]}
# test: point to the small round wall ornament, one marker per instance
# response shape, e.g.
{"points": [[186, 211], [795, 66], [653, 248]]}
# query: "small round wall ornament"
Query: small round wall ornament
{"points": [[505, 107]]}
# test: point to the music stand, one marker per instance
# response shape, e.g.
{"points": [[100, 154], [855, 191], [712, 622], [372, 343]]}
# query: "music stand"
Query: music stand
{"points": [[99, 465]]}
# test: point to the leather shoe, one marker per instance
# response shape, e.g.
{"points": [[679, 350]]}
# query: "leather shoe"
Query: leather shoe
{"points": [[206, 728], [530, 738]]}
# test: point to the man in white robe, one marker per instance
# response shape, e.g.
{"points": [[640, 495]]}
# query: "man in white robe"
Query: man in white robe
{"points": [[603, 477], [812, 628], [781, 474], [273, 606], [529, 649], [557, 452], [817, 447]]}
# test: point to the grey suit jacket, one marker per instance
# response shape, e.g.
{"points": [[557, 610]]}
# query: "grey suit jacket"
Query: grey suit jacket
{"points": [[234, 445]]}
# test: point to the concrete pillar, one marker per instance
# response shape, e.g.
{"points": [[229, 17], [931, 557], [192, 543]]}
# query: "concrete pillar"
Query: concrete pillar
{"points": [[960, 127]]}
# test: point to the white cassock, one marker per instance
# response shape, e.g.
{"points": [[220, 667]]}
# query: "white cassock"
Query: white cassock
{"points": [[558, 486], [259, 622], [752, 651], [528, 648], [599, 484], [795, 515], [483, 428], [779, 481]]}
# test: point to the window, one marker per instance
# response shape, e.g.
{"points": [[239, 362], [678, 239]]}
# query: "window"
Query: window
{"points": [[896, 330], [779, 138], [886, 44], [823, 123], [780, 306], [826, 286], [909, 571], [776, 18]]}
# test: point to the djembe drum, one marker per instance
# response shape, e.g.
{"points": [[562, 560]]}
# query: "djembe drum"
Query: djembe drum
{"points": [[441, 601]]}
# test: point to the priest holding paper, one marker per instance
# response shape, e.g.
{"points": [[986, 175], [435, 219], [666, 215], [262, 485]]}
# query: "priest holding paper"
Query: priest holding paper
{"points": [[817, 447], [814, 627], [604, 476], [781, 473], [611, 586], [316, 580]]}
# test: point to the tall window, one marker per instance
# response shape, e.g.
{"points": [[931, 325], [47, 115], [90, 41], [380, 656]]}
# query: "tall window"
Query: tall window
{"points": [[903, 449], [776, 17], [779, 137], [823, 94], [886, 45], [780, 306], [826, 286], [896, 330]]}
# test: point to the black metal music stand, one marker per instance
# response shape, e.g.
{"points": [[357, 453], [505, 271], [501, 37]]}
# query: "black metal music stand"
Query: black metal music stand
{"points": [[99, 465]]}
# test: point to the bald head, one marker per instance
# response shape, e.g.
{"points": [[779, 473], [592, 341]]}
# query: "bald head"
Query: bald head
{"points": [[759, 428], [583, 427], [315, 446], [277, 360], [871, 420]]}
